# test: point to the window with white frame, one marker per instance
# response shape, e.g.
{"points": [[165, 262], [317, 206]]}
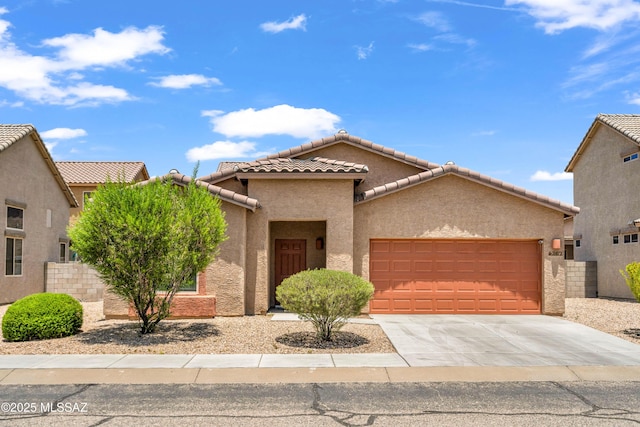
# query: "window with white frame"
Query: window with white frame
{"points": [[630, 157], [13, 256]]}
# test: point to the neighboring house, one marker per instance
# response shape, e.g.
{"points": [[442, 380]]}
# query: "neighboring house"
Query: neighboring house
{"points": [[35, 204], [606, 178], [432, 238], [84, 177]]}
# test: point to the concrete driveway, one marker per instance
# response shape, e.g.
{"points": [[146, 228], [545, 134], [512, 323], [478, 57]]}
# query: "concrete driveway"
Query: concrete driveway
{"points": [[494, 340]]}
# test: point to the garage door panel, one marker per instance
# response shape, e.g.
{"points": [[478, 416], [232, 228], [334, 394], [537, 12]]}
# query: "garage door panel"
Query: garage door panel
{"points": [[456, 276]]}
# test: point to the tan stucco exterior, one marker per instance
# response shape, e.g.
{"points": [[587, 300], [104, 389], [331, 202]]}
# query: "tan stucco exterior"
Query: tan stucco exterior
{"points": [[29, 183], [329, 206], [453, 207], [606, 190]]}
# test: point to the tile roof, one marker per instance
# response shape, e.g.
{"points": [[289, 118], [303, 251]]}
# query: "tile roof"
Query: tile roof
{"points": [[98, 172], [12, 133], [224, 194], [627, 124], [312, 165], [447, 169], [343, 136]]}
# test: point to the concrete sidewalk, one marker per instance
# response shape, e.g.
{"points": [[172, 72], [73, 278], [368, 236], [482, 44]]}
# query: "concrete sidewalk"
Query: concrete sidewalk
{"points": [[276, 368]]}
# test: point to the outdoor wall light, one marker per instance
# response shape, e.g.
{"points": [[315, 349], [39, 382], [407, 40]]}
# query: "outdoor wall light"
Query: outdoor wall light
{"points": [[556, 244], [319, 243]]}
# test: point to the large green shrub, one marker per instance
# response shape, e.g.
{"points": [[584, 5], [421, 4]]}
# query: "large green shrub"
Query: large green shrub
{"points": [[42, 316], [326, 298], [633, 278]]}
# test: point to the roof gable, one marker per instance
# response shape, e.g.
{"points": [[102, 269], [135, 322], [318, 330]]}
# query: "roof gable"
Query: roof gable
{"points": [[451, 169], [628, 125], [312, 165], [99, 172], [11, 134], [344, 137]]}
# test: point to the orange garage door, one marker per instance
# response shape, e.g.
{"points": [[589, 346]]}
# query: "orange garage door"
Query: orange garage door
{"points": [[466, 276]]}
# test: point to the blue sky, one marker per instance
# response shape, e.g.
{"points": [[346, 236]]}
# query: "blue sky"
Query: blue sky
{"points": [[504, 87]]}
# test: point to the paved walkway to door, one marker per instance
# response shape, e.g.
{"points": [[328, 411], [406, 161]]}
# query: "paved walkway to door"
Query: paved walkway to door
{"points": [[494, 340]]}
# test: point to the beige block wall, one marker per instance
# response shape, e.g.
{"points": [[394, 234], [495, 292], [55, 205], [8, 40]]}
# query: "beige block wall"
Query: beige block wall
{"points": [[226, 275], [74, 278], [382, 170], [453, 207], [325, 200], [26, 178], [606, 191]]}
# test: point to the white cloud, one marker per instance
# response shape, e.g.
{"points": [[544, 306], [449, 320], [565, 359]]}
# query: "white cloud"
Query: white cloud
{"points": [[485, 133], [363, 52], [63, 133], [421, 47], [50, 145], [435, 20], [78, 51], [296, 23], [633, 98], [547, 176], [185, 81], [555, 16], [455, 39], [56, 79], [278, 120], [222, 150]]}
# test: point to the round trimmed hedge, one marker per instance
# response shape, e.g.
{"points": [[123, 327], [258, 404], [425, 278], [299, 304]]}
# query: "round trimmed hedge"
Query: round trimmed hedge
{"points": [[42, 316]]}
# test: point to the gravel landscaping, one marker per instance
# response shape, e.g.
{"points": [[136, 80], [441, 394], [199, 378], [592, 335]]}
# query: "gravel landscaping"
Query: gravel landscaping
{"points": [[260, 334]]}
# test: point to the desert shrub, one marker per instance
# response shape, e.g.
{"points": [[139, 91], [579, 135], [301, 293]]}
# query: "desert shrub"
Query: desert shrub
{"points": [[42, 316], [326, 298], [633, 278]]}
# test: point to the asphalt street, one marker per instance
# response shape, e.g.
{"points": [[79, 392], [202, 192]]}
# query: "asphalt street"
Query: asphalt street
{"points": [[336, 404]]}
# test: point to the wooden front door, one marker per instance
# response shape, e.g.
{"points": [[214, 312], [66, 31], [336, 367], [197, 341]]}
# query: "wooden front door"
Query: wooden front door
{"points": [[291, 258]]}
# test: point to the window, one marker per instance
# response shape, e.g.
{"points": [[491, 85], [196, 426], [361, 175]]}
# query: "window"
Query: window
{"points": [[13, 258], [616, 240], [631, 238], [578, 243], [63, 253], [15, 218], [627, 238], [86, 195], [191, 286], [630, 157]]}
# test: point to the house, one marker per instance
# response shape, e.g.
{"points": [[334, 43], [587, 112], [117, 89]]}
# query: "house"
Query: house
{"points": [[84, 177], [606, 177], [35, 212], [431, 238]]}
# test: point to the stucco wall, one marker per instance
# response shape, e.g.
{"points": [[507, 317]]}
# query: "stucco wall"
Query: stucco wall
{"points": [[28, 180], [78, 192], [453, 207], [296, 200], [606, 191], [382, 170], [225, 276]]}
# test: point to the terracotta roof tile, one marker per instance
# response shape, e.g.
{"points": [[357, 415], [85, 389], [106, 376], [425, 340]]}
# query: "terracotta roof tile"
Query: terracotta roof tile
{"points": [[312, 165], [224, 194], [10, 134], [467, 174], [98, 172], [354, 140]]}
